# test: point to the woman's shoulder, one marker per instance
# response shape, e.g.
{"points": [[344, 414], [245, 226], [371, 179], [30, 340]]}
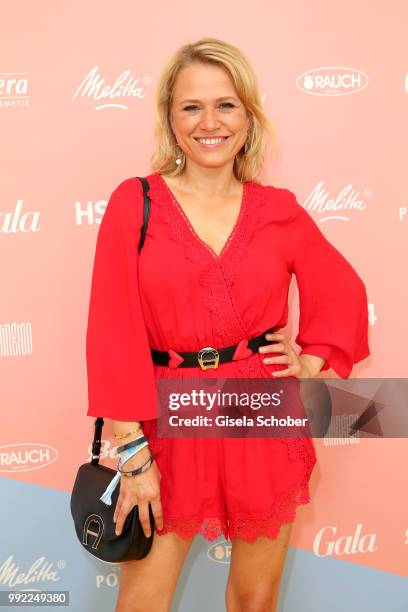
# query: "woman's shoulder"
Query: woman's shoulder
{"points": [[125, 202], [278, 203], [127, 187]]}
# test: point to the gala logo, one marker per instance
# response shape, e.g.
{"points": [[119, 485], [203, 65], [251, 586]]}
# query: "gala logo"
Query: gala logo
{"points": [[16, 221], [325, 543]]}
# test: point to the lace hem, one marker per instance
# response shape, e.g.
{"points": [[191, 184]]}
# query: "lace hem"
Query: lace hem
{"points": [[247, 528], [210, 528], [283, 511]]}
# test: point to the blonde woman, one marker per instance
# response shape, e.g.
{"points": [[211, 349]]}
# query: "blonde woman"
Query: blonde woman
{"points": [[214, 271]]}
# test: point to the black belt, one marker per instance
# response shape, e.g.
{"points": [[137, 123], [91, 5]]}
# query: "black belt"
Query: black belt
{"points": [[208, 357]]}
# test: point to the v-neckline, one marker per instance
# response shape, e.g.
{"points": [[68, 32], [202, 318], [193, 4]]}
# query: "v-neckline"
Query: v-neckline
{"points": [[217, 256]]}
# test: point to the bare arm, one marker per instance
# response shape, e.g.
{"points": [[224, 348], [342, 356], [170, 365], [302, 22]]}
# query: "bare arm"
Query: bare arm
{"points": [[141, 489]]}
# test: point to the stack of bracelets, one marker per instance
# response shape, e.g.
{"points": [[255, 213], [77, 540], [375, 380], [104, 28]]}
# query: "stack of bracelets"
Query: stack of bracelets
{"points": [[126, 451]]}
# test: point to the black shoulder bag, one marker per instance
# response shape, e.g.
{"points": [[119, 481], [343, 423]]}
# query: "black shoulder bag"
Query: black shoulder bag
{"points": [[93, 519]]}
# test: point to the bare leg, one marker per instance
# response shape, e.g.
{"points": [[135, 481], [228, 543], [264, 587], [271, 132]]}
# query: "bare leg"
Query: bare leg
{"points": [[255, 572], [148, 585]]}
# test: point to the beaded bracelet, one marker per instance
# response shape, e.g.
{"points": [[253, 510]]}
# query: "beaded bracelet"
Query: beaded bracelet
{"points": [[125, 435], [138, 470]]}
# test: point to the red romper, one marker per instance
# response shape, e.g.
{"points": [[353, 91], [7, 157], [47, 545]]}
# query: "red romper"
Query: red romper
{"points": [[179, 294]]}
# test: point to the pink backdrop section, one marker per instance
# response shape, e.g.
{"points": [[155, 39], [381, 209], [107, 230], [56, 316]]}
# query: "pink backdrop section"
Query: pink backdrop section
{"points": [[63, 151]]}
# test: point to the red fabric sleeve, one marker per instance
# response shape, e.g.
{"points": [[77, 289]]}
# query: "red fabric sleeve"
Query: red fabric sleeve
{"points": [[121, 381], [333, 321]]}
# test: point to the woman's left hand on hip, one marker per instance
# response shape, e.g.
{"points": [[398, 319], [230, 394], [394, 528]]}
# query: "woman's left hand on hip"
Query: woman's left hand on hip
{"points": [[289, 356]]}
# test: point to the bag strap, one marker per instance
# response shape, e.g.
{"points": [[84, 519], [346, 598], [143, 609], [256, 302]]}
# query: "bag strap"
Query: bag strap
{"points": [[146, 210], [97, 441]]}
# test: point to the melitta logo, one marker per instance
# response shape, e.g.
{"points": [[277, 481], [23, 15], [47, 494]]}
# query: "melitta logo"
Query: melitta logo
{"points": [[332, 81], [325, 544], [40, 571], [125, 86], [13, 222], [220, 552], [26, 456], [348, 199], [13, 89]]}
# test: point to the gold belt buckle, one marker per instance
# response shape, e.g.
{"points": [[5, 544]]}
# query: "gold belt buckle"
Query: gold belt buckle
{"points": [[208, 357]]}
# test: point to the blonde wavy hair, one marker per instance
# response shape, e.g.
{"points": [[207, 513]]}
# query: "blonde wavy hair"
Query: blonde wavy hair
{"points": [[248, 165]]}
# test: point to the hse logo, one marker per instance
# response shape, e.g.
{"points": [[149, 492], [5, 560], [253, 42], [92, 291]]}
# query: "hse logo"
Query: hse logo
{"points": [[220, 552], [89, 213], [13, 89], [332, 81], [327, 544], [112, 96], [26, 456]]}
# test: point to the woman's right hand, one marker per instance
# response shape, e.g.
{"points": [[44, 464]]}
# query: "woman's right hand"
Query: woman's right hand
{"points": [[139, 490]]}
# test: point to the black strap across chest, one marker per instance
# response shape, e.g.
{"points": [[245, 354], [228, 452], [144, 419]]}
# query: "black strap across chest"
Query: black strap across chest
{"points": [[146, 209]]}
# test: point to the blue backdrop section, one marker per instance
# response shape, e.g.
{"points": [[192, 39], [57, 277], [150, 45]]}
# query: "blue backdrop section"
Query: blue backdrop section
{"points": [[39, 551]]}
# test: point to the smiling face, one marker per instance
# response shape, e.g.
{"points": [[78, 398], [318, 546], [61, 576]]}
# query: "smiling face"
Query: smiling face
{"points": [[209, 121]]}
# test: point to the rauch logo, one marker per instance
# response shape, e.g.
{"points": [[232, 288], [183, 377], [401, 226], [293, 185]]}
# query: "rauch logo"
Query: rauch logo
{"points": [[25, 457], [332, 81]]}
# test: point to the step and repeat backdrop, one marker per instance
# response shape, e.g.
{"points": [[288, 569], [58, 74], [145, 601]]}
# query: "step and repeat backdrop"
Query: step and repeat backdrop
{"points": [[76, 118]]}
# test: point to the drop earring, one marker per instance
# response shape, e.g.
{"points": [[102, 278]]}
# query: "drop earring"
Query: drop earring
{"points": [[248, 144], [179, 156]]}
